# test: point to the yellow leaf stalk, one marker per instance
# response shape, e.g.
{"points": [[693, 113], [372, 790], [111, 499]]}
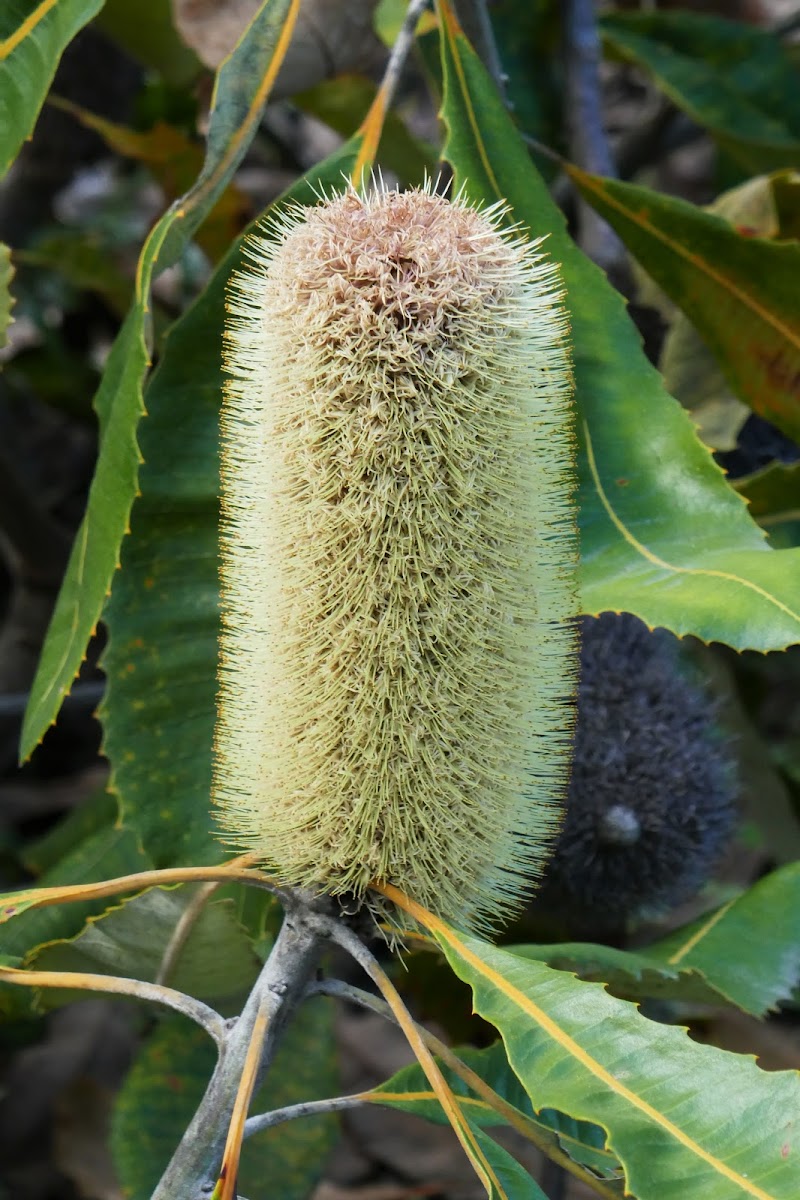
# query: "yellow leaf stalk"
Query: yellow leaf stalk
{"points": [[398, 554]]}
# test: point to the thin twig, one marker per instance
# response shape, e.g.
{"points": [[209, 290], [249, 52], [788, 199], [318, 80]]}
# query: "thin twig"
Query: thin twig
{"points": [[544, 1139], [206, 1017], [589, 147], [402, 48], [344, 937], [372, 125], [311, 1108], [183, 927], [194, 1169], [234, 871], [251, 1070], [473, 16], [585, 115]]}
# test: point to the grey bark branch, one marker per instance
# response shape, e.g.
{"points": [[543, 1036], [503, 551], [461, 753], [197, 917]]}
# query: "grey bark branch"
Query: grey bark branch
{"points": [[285, 981], [311, 1108], [192, 1174], [340, 990], [402, 47], [207, 1018], [588, 142], [477, 25]]}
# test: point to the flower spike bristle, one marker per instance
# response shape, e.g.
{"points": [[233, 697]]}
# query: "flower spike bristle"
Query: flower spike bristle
{"points": [[398, 658]]}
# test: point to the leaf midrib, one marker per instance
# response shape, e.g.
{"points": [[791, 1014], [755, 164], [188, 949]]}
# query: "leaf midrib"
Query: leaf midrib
{"points": [[592, 182], [550, 1027]]}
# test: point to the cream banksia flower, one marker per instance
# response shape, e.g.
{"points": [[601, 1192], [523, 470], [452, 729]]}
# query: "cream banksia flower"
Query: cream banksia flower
{"points": [[398, 552]]}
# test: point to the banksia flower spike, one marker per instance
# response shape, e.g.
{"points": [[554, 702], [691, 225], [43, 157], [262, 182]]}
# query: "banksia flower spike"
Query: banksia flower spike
{"points": [[398, 554]]}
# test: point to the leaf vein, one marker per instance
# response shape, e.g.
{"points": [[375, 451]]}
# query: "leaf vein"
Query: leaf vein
{"points": [[591, 1064], [651, 557], [26, 28]]}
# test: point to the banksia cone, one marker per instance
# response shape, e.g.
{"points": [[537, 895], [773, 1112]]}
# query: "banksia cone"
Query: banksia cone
{"points": [[652, 798], [398, 552]]}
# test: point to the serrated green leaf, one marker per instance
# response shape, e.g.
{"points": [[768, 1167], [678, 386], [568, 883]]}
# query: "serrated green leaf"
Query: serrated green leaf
{"points": [[748, 949], [96, 813], [410, 1091], [110, 850], [215, 963], [6, 300], [691, 372], [631, 974], [243, 83], [163, 615], [662, 533], [740, 292], [167, 1082], [33, 36], [683, 1119], [511, 1181], [692, 375], [736, 80]]}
